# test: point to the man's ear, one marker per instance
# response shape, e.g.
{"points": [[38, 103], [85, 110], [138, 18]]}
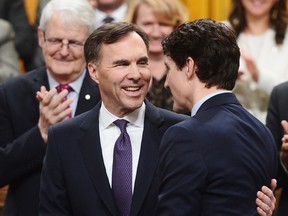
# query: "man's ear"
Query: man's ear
{"points": [[93, 71], [41, 39], [190, 68]]}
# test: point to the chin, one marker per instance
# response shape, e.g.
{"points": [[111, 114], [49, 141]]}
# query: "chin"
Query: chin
{"points": [[156, 50]]}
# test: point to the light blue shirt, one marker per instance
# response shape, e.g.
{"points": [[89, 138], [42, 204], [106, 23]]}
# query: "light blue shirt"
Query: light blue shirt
{"points": [[196, 107], [76, 85]]}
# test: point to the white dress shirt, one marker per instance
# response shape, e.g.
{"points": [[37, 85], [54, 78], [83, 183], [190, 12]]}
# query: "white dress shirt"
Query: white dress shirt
{"points": [[109, 133]]}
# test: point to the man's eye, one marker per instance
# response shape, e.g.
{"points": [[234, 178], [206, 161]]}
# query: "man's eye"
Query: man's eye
{"points": [[123, 64], [75, 43], [143, 63], [54, 40]]}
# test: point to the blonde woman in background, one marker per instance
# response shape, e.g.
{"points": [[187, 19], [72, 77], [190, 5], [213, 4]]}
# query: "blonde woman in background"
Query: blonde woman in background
{"points": [[158, 19], [261, 28]]}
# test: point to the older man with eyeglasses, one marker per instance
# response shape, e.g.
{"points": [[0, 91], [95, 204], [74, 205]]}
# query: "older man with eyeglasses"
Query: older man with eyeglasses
{"points": [[64, 88]]}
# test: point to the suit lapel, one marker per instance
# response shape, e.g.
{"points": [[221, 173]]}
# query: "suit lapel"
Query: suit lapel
{"points": [[148, 157], [90, 147], [38, 78], [89, 95]]}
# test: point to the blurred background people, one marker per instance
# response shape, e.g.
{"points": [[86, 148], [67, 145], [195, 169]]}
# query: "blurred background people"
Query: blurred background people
{"points": [[25, 38], [94, 3], [64, 27], [9, 67], [9, 61], [158, 19], [261, 27], [278, 112], [109, 10]]}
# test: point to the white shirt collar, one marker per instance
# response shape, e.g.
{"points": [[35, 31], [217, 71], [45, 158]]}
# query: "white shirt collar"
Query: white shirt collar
{"points": [[76, 84], [106, 118]]}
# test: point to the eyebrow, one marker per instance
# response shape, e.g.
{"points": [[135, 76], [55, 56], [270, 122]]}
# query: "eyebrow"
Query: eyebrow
{"points": [[144, 58], [125, 61]]}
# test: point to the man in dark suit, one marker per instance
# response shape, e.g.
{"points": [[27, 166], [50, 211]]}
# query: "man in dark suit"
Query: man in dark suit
{"points": [[277, 114], [77, 171], [77, 176], [24, 126], [214, 162]]}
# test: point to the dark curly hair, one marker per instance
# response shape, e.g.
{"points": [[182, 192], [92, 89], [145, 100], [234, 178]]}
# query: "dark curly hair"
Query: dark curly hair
{"points": [[213, 47]]}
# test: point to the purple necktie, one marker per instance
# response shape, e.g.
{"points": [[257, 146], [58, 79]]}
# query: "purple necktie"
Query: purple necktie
{"points": [[62, 87], [122, 170]]}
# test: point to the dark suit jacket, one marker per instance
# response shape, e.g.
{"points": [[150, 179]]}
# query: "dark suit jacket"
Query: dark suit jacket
{"points": [[277, 111], [215, 162], [21, 146], [74, 180]]}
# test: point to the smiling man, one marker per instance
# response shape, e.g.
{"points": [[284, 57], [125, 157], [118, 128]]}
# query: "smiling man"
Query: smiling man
{"points": [[81, 174]]}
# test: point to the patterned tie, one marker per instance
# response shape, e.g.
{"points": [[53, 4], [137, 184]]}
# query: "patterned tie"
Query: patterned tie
{"points": [[122, 170], [62, 87]]}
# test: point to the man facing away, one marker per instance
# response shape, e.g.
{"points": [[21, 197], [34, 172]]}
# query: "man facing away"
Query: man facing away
{"points": [[214, 162]]}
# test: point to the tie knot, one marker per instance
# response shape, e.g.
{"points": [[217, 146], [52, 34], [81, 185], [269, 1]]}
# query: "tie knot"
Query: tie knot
{"points": [[122, 124], [62, 87], [108, 19]]}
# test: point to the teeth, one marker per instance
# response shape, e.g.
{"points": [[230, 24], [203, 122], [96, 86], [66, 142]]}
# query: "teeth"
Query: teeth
{"points": [[132, 88]]}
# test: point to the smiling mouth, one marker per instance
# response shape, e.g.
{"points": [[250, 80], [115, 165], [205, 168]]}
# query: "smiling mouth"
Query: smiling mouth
{"points": [[132, 88]]}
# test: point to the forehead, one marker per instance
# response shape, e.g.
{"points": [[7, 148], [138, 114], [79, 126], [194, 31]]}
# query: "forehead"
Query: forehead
{"points": [[157, 11], [145, 12], [110, 2], [65, 28], [169, 61], [129, 46]]}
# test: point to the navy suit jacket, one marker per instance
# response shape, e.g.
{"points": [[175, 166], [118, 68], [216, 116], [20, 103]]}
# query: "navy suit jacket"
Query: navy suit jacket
{"points": [[215, 162], [74, 180], [278, 111], [22, 148]]}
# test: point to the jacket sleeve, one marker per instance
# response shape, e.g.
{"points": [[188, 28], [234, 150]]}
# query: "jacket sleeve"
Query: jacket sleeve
{"points": [[20, 154]]}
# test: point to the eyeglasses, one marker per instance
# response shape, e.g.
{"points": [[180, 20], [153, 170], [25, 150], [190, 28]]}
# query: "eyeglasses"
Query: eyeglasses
{"points": [[58, 43]]}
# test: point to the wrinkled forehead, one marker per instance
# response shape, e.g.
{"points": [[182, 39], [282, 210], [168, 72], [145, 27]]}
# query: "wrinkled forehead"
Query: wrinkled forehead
{"points": [[131, 46]]}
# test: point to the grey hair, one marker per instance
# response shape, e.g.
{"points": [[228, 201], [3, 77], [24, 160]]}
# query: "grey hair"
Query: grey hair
{"points": [[72, 11]]}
